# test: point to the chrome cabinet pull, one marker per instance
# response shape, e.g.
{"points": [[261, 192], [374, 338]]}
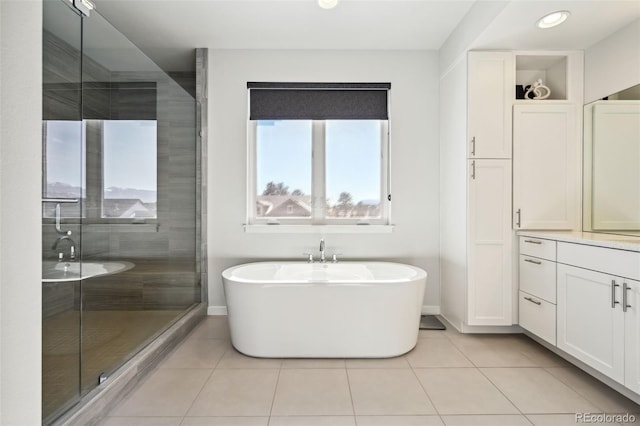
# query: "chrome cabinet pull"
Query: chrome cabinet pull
{"points": [[532, 241], [533, 301], [537, 262], [473, 170], [614, 302], [625, 288], [519, 213], [473, 146]]}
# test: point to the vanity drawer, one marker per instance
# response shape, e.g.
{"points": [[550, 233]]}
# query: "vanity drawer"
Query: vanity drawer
{"points": [[538, 277], [538, 317], [538, 247], [608, 260]]}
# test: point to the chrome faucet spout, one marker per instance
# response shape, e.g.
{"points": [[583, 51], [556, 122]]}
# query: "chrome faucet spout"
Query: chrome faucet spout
{"points": [[72, 246]]}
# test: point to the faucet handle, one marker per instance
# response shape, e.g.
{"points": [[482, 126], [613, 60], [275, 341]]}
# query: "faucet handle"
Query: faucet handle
{"points": [[334, 257], [309, 257], [60, 257]]}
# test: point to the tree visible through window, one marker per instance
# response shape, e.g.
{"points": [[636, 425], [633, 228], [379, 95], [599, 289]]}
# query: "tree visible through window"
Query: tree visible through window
{"points": [[319, 170]]}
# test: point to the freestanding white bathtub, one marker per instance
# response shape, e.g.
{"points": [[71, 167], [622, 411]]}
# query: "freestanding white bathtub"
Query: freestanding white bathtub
{"points": [[324, 310]]}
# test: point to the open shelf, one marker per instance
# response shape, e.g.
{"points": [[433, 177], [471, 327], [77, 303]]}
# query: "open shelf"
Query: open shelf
{"points": [[551, 69]]}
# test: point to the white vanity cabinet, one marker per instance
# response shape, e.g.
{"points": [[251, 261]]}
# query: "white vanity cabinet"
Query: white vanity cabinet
{"points": [[632, 337], [546, 166], [598, 312], [590, 323], [537, 291]]}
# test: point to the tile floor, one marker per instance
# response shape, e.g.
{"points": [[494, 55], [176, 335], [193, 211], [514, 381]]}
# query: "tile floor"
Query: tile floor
{"points": [[448, 379]]}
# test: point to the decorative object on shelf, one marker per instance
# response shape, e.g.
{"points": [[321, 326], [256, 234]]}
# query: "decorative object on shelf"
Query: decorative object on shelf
{"points": [[521, 89], [537, 91]]}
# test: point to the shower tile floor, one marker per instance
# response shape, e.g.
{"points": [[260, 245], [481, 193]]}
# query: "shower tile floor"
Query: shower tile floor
{"points": [[448, 379]]}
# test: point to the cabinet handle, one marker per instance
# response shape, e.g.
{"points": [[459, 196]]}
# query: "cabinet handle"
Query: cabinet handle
{"points": [[473, 146], [473, 170], [625, 288], [537, 262], [614, 302], [532, 241], [533, 301], [519, 214]]}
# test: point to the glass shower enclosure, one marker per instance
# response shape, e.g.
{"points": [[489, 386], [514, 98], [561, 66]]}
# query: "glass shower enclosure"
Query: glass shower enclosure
{"points": [[120, 225]]}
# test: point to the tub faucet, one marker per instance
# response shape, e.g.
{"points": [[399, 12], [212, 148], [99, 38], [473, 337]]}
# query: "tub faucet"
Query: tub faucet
{"points": [[72, 247], [323, 259]]}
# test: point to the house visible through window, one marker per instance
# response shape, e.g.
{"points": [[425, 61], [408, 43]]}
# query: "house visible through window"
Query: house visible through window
{"points": [[127, 187], [311, 163]]}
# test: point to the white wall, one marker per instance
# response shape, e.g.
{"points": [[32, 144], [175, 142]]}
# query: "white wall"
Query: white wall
{"points": [[20, 229], [612, 64], [414, 158], [453, 193]]}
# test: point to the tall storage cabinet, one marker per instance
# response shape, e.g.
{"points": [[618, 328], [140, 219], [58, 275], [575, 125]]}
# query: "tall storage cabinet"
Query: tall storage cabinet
{"points": [[547, 143], [546, 166], [490, 95], [489, 294], [480, 173], [489, 244]]}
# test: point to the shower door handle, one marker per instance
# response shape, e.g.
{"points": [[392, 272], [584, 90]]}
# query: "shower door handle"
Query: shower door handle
{"points": [[59, 201]]}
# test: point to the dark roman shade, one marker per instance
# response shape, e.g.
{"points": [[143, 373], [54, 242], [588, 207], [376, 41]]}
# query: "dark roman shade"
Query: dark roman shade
{"points": [[318, 101]]}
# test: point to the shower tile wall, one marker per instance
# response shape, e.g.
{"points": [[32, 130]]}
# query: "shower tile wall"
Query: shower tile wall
{"points": [[163, 250]]}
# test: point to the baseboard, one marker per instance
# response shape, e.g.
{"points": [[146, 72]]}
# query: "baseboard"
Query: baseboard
{"points": [[217, 310], [430, 310]]}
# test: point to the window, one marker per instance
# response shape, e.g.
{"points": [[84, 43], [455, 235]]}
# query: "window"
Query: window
{"points": [[129, 173], [63, 166], [316, 168], [125, 151]]}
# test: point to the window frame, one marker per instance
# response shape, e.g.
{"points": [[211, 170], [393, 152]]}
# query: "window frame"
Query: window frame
{"points": [[318, 181]]}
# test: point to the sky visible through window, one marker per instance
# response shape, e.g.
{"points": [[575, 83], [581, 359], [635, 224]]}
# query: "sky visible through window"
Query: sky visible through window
{"points": [[353, 162], [129, 156]]}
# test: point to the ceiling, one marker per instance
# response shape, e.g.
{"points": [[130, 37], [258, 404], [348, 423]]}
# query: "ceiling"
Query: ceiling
{"points": [[169, 30]]}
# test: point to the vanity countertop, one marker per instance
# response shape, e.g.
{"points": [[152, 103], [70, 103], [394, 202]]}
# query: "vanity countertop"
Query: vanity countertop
{"points": [[620, 242]]}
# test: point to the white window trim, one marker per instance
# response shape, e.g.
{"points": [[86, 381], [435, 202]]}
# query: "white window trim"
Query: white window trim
{"points": [[317, 219]]}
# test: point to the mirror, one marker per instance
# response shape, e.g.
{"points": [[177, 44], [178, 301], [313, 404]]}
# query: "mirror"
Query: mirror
{"points": [[612, 164]]}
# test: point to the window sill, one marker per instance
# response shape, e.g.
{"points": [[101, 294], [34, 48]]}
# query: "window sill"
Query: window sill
{"points": [[318, 229]]}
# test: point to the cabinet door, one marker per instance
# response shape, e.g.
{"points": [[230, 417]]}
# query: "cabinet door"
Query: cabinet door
{"points": [[546, 173], [632, 336], [590, 319], [491, 91], [490, 284]]}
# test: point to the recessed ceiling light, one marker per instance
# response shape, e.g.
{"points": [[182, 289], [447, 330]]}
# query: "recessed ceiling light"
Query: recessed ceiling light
{"points": [[553, 19], [327, 4]]}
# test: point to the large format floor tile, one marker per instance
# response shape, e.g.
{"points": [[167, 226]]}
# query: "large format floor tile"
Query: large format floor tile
{"points": [[225, 421], [399, 421], [167, 392], [309, 392], [313, 421], [599, 394], [486, 420], [535, 391], [387, 392], [196, 353], [463, 391], [436, 353], [449, 379], [237, 392]]}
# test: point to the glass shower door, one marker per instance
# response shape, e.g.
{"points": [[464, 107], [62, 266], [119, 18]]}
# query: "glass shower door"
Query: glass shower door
{"points": [[62, 194]]}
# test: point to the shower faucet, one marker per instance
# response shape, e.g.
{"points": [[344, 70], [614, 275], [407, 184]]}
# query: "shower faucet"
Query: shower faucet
{"points": [[72, 247], [323, 259]]}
